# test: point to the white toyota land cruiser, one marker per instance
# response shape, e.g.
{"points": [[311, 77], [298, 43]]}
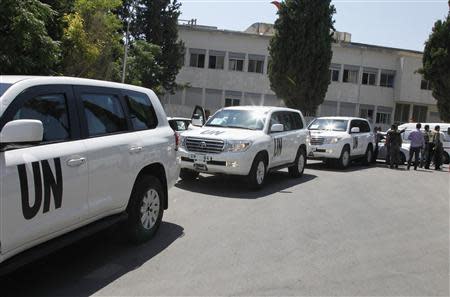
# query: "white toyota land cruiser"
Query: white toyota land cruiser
{"points": [[341, 139], [77, 155], [248, 141]]}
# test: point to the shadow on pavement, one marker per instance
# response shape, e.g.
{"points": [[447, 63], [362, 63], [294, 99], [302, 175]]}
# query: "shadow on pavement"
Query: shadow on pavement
{"points": [[236, 186], [87, 266], [354, 166]]}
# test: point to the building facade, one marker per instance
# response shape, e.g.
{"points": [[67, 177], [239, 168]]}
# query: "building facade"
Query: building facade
{"points": [[224, 68]]}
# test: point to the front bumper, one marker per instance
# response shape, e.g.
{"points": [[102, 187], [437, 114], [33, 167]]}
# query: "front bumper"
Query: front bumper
{"points": [[224, 163], [325, 151]]}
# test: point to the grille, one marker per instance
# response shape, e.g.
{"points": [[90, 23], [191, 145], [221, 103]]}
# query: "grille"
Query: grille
{"points": [[209, 146], [317, 140]]}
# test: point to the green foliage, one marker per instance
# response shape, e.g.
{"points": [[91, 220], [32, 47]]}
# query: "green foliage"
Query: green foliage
{"points": [[142, 66], [436, 65], [26, 47], [301, 53], [91, 42], [156, 22]]}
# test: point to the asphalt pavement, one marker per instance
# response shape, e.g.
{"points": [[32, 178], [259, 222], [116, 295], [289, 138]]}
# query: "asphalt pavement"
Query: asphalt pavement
{"points": [[363, 231]]}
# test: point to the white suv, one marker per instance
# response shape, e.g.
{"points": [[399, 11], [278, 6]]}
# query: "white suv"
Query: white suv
{"points": [[341, 139], [247, 141], [75, 152]]}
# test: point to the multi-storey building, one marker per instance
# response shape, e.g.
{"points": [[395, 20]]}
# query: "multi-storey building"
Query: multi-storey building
{"points": [[223, 68]]}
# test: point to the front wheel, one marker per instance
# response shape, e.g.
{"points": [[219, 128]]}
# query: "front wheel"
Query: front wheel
{"points": [[145, 210], [300, 162], [257, 174], [344, 160]]}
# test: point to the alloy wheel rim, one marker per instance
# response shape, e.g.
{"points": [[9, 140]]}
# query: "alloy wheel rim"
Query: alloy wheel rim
{"points": [[150, 209], [345, 158], [301, 163], [260, 172]]}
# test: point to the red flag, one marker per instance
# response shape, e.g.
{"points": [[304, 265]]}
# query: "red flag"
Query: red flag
{"points": [[277, 4]]}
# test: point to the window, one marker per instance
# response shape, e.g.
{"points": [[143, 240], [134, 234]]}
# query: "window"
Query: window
{"points": [[401, 113], [197, 60], [383, 118], [142, 113], [369, 77], [425, 85], [240, 119], [216, 60], [366, 113], [334, 74], [3, 88], [232, 102], [420, 113], [256, 64], [387, 79], [51, 110], [236, 62], [351, 75], [104, 114], [297, 121], [364, 126]]}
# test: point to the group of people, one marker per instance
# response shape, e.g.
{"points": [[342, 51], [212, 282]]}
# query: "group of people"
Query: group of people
{"points": [[425, 147]]}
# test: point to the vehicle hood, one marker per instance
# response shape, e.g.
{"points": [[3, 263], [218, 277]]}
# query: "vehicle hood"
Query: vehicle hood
{"points": [[223, 133], [327, 133]]}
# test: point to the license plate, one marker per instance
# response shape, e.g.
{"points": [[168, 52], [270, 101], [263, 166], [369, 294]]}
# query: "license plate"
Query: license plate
{"points": [[200, 159], [200, 167]]}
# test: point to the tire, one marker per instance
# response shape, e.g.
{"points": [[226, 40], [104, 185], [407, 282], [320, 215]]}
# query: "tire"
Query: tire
{"points": [[344, 159], [145, 210], [445, 158], [188, 175], [368, 156], [258, 172], [297, 170]]}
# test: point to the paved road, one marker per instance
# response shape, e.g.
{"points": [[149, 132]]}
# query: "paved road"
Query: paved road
{"points": [[370, 231]]}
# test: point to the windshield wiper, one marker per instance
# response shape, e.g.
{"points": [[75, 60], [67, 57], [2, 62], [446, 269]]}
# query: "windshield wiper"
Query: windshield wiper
{"points": [[240, 127], [213, 125]]}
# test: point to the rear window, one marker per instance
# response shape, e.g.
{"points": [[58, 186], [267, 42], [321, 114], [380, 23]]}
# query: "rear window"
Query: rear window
{"points": [[3, 88]]}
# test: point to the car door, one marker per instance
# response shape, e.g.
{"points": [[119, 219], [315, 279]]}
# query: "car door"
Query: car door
{"points": [[112, 148], [367, 136], [44, 185], [356, 144], [199, 116], [278, 146]]}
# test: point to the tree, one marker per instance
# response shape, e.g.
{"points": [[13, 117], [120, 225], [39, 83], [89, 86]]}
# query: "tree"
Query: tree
{"points": [[142, 65], [26, 47], [156, 22], [436, 65], [91, 42], [301, 53]]}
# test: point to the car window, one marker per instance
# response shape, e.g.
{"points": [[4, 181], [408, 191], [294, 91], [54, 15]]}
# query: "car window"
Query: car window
{"points": [[365, 127], [3, 88], [328, 124], [240, 119], [297, 120], [104, 114], [52, 111], [142, 114]]}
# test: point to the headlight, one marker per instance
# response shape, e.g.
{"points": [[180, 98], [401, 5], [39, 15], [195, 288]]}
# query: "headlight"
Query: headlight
{"points": [[332, 140], [235, 146], [182, 141]]}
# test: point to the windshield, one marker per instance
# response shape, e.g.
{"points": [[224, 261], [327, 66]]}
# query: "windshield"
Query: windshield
{"points": [[3, 88], [328, 124], [240, 119]]}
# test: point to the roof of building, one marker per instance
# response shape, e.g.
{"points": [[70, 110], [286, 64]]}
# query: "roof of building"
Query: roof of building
{"points": [[264, 30]]}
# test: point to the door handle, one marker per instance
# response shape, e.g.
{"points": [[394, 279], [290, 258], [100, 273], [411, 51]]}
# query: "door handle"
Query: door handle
{"points": [[76, 162], [136, 149]]}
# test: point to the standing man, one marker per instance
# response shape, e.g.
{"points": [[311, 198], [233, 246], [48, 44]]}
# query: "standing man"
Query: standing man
{"points": [[394, 140], [417, 143], [429, 146], [438, 148]]}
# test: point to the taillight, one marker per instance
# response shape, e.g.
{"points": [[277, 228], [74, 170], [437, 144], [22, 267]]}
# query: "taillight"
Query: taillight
{"points": [[177, 140]]}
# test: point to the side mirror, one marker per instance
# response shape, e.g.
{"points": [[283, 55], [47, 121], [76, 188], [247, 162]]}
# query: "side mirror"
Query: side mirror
{"points": [[22, 131], [355, 130], [277, 128]]}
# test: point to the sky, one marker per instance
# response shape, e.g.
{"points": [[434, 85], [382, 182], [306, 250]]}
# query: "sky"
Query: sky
{"points": [[397, 23]]}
